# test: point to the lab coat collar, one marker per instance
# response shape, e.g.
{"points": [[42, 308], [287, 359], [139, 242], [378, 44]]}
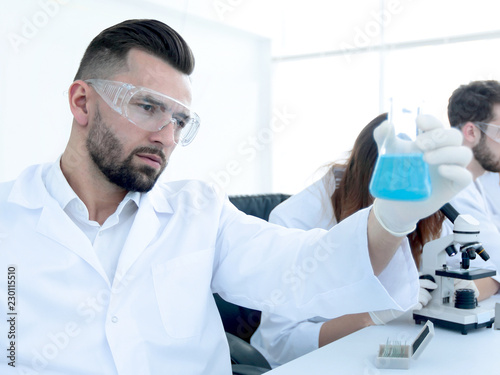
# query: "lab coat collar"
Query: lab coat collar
{"points": [[56, 225], [58, 188], [29, 190], [57, 185], [158, 198]]}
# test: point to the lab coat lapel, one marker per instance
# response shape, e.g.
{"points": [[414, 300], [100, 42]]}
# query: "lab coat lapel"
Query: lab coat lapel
{"points": [[30, 193], [143, 231], [56, 225]]}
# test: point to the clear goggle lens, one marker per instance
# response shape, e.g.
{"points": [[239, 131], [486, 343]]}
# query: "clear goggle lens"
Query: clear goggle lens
{"points": [[491, 130], [149, 109]]}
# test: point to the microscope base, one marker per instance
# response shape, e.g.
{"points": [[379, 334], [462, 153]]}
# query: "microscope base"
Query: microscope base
{"points": [[457, 319]]}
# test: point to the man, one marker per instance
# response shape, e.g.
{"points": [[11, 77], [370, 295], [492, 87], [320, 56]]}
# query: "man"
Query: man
{"points": [[474, 109], [114, 274]]}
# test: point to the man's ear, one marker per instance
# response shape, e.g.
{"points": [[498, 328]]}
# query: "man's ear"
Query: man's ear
{"points": [[78, 101], [471, 133]]}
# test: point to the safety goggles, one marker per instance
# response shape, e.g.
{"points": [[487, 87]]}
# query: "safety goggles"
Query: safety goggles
{"points": [[148, 109], [491, 130]]}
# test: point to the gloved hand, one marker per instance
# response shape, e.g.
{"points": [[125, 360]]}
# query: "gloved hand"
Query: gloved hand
{"points": [[447, 160], [424, 296]]}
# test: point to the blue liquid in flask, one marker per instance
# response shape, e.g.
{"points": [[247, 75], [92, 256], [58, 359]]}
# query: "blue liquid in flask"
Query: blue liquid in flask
{"points": [[402, 177]]}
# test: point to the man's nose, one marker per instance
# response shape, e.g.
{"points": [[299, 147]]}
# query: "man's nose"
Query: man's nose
{"points": [[166, 134]]}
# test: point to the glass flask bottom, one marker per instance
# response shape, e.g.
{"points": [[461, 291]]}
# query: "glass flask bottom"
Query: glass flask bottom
{"points": [[402, 177]]}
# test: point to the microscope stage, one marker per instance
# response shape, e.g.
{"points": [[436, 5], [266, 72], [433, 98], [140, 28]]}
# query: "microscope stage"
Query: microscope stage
{"points": [[472, 274]]}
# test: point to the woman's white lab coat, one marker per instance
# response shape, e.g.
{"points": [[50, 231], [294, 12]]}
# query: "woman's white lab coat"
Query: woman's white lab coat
{"points": [[158, 315]]}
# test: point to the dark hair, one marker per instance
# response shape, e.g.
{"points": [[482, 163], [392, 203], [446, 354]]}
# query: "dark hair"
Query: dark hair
{"points": [[352, 194], [107, 52], [473, 102], [352, 191]]}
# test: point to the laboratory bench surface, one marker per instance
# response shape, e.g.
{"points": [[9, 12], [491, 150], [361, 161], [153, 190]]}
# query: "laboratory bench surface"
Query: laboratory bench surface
{"points": [[448, 352]]}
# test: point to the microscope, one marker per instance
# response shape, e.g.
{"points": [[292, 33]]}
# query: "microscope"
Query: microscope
{"points": [[457, 310]]}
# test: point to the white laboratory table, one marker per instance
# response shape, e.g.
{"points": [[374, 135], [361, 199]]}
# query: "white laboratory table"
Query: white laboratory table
{"points": [[449, 352]]}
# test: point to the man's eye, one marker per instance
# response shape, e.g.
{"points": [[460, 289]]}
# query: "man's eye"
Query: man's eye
{"points": [[180, 123], [147, 107]]}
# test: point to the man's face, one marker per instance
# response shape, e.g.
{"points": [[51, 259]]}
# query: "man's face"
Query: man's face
{"points": [[487, 151], [486, 157], [107, 152], [128, 156]]}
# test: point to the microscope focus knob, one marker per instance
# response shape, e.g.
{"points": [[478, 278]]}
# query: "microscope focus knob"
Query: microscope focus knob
{"points": [[465, 299]]}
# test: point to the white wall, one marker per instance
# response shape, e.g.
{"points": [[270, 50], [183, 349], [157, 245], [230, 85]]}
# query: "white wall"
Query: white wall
{"points": [[43, 41], [274, 107], [334, 66]]}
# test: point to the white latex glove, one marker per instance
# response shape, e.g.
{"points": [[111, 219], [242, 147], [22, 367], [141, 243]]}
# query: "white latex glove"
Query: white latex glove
{"points": [[447, 159], [423, 295], [384, 316]]}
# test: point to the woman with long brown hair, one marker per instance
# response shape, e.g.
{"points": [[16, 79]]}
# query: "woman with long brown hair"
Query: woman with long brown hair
{"points": [[352, 194]]}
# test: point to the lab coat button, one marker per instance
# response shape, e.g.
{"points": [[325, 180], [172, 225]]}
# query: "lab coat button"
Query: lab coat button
{"points": [[114, 319]]}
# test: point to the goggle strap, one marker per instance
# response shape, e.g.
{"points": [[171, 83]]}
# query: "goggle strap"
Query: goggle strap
{"points": [[112, 94]]}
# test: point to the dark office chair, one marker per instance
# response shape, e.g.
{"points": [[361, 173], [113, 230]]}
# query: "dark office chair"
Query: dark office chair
{"points": [[240, 322], [259, 205], [245, 359]]}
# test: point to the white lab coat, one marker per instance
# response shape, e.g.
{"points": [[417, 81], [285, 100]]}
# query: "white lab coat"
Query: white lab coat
{"points": [[490, 181], [279, 338], [158, 315], [475, 201]]}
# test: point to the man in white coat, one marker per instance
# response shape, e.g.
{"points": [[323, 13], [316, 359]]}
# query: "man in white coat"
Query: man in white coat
{"points": [[111, 273], [490, 182], [474, 109]]}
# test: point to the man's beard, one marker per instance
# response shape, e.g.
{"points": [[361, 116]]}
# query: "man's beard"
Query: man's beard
{"points": [[484, 156], [105, 149]]}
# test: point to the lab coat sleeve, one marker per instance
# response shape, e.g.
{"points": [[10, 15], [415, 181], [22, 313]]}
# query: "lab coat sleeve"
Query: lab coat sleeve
{"points": [[301, 274], [281, 340], [401, 262]]}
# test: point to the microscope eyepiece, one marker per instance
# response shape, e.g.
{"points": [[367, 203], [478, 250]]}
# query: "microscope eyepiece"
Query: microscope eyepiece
{"points": [[449, 211]]}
